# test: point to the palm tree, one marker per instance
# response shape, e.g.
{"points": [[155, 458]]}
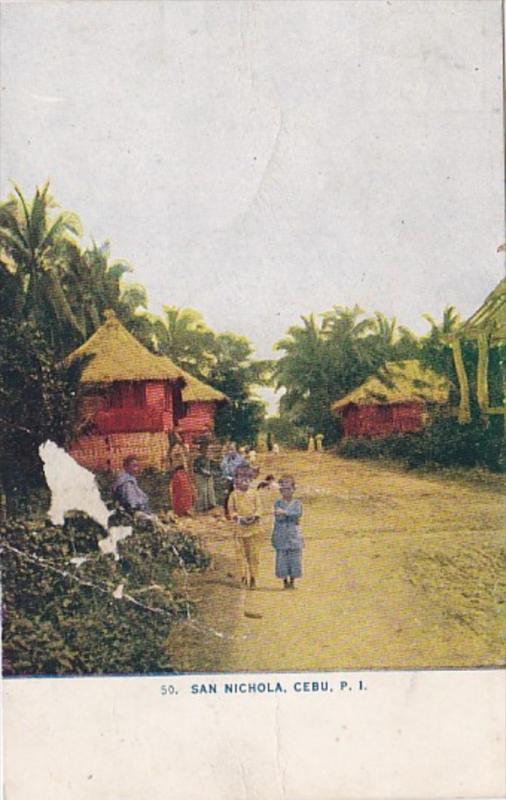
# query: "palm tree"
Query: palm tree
{"points": [[435, 351], [34, 249], [343, 323], [303, 371], [450, 321], [300, 369], [352, 346], [93, 284], [186, 339], [384, 329]]}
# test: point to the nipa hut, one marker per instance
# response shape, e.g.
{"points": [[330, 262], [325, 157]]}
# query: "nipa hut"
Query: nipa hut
{"points": [[398, 400], [487, 326], [132, 398]]}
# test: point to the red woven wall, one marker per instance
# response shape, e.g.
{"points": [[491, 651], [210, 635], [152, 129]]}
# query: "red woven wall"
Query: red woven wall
{"points": [[108, 452], [130, 420], [155, 395], [383, 420], [199, 418]]}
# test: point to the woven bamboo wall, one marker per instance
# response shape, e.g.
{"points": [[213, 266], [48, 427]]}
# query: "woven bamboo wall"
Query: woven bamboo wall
{"points": [[155, 395], [383, 420], [108, 452]]}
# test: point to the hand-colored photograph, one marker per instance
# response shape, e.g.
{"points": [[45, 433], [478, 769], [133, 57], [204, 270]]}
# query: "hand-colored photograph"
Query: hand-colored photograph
{"points": [[253, 337]]}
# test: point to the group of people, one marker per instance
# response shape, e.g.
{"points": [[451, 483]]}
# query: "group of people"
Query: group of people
{"points": [[246, 509], [192, 479], [244, 504], [315, 443]]}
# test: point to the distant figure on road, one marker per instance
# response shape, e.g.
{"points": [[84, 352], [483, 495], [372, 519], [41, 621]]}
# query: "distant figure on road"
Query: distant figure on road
{"points": [[275, 449], [251, 455], [319, 442], [311, 444], [269, 442]]}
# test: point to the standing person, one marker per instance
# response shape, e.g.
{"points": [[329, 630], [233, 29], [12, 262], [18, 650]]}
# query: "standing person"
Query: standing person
{"points": [[251, 455], [269, 442], [319, 442], [244, 508], [229, 463], [180, 487], [286, 536], [206, 498], [311, 444]]}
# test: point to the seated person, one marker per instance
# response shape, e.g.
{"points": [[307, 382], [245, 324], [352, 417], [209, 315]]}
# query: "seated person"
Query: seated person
{"points": [[127, 492]]}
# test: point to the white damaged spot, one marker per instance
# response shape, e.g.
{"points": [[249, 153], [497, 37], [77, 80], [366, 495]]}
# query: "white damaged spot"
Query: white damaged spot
{"points": [[109, 544], [72, 487]]}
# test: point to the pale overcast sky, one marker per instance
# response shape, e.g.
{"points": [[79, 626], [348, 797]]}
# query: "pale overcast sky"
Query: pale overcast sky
{"points": [[261, 160]]}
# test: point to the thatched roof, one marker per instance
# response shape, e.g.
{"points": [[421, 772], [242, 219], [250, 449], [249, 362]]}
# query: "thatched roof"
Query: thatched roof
{"points": [[490, 318], [196, 391], [118, 356], [399, 382]]}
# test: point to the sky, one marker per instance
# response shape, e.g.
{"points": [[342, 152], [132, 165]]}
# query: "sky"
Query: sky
{"points": [[261, 160]]}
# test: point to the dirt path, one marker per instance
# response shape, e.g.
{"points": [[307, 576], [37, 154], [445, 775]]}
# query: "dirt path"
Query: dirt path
{"points": [[399, 572]]}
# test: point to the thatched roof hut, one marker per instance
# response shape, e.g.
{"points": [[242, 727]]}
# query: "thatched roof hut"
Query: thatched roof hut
{"points": [[133, 398], [116, 355], [396, 400]]}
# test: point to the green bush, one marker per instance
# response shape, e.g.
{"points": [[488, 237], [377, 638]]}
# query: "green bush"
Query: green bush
{"points": [[53, 625], [445, 442], [38, 399]]}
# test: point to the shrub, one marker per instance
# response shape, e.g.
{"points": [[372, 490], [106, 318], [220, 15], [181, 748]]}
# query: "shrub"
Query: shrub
{"points": [[55, 625], [38, 401], [445, 442]]}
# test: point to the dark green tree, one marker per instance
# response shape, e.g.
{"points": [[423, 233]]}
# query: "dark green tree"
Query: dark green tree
{"points": [[236, 373], [35, 247], [37, 402]]}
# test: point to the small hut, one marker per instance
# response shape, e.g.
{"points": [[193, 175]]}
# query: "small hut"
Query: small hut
{"points": [[487, 326], [131, 399], [200, 403], [400, 399]]}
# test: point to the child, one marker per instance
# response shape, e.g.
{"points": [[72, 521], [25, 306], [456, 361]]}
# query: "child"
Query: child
{"points": [[286, 536], [244, 510]]}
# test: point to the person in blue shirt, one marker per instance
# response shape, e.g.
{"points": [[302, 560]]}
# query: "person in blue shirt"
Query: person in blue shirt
{"points": [[286, 536], [231, 460], [127, 492]]}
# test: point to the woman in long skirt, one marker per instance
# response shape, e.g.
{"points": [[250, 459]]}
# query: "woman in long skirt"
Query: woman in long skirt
{"points": [[206, 497], [181, 490]]}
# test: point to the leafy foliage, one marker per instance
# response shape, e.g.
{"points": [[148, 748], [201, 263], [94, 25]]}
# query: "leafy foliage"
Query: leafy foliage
{"points": [[35, 246], [54, 295], [235, 373], [324, 361], [37, 402], [444, 443], [54, 625]]}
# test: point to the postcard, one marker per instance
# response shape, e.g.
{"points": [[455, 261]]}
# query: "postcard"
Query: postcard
{"points": [[252, 400]]}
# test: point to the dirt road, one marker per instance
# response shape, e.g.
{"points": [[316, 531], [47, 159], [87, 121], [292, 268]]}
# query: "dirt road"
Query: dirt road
{"points": [[400, 571]]}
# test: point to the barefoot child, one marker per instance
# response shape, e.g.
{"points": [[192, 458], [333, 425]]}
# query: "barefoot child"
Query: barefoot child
{"points": [[244, 510], [286, 536]]}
